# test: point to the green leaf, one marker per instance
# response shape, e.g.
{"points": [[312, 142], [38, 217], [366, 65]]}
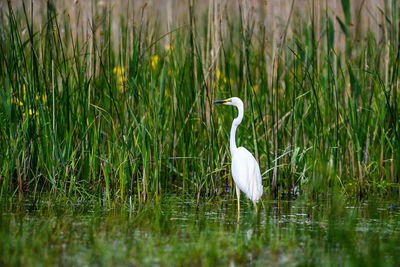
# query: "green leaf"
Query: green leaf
{"points": [[354, 86], [343, 26], [330, 33], [162, 85], [346, 11], [6, 105], [386, 17]]}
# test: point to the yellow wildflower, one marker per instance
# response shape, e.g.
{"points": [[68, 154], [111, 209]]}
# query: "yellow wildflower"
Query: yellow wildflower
{"points": [[119, 70], [121, 79], [15, 100], [121, 83], [44, 98], [32, 112], [222, 79], [24, 89], [154, 61]]}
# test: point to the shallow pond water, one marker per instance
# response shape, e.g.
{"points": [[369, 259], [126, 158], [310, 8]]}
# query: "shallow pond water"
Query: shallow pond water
{"points": [[174, 231]]}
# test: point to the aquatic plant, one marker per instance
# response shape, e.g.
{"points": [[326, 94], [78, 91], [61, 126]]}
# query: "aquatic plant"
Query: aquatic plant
{"points": [[120, 110]]}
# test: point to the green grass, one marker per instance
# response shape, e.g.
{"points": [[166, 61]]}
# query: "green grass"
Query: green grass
{"points": [[318, 119]]}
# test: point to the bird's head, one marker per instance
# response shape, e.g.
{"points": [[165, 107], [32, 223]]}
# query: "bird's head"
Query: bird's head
{"points": [[233, 101]]}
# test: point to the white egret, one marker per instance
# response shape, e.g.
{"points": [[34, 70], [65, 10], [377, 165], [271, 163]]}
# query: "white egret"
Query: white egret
{"points": [[244, 167]]}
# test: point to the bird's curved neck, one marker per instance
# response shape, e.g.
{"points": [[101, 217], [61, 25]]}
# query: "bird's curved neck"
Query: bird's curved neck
{"points": [[235, 124]]}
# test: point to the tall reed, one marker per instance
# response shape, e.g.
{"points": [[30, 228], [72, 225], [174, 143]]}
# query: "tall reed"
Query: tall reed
{"points": [[116, 106]]}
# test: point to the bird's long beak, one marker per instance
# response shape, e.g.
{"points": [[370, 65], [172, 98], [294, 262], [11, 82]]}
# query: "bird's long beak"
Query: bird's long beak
{"points": [[221, 101]]}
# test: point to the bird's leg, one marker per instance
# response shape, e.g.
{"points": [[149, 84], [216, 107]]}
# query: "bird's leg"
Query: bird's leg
{"points": [[238, 201], [255, 206], [238, 207]]}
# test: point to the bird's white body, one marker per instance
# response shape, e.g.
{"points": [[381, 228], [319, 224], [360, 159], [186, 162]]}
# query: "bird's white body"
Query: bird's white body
{"points": [[246, 174], [245, 170]]}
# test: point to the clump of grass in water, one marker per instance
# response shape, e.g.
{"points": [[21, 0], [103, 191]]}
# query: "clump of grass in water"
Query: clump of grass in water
{"points": [[322, 118]]}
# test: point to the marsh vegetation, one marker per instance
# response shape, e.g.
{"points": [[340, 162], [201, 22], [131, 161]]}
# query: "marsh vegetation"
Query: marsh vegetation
{"points": [[108, 104]]}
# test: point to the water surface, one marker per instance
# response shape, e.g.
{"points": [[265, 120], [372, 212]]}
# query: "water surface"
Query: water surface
{"points": [[175, 231]]}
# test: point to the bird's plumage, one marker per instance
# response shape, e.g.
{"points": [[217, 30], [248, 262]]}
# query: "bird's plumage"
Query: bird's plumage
{"points": [[245, 170], [246, 174]]}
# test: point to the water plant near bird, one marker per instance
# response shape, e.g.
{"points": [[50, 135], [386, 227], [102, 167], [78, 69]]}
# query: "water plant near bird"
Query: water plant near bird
{"points": [[322, 101]]}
